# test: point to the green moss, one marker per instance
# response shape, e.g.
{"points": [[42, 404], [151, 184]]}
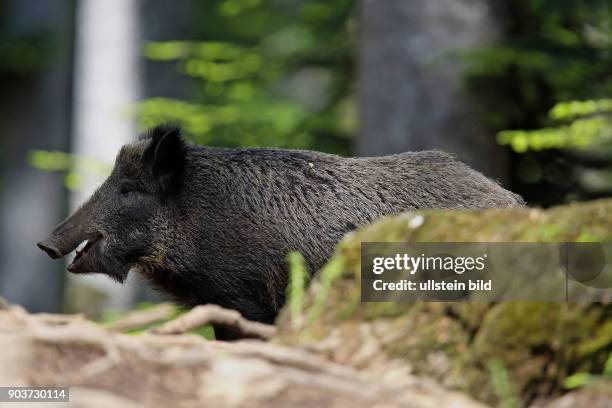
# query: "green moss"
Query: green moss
{"points": [[538, 345]]}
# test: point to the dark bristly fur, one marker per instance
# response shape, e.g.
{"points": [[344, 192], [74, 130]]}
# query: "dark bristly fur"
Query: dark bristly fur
{"points": [[212, 225]]}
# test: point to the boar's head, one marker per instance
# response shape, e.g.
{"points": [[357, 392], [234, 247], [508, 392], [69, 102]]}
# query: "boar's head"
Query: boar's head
{"points": [[116, 227]]}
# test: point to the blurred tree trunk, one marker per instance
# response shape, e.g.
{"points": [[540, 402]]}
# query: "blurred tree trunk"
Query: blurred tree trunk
{"points": [[107, 85], [178, 22], [411, 96], [36, 109]]}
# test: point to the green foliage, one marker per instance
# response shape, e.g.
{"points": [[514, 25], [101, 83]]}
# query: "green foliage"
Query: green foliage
{"points": [[551, 51], [23, 52], [578, 380], [330, 272], [298, 279], [266, 73], [590, 123], [71, 165], [585, 379], [22, 56], [545, 87], [506, 392], [573, 110]]}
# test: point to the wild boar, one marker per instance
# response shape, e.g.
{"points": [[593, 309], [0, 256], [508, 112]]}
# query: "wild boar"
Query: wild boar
{"points": [[214, 225]]}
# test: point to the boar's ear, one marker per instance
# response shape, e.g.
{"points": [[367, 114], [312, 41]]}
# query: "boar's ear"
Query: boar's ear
{"points": [[166, 158]]}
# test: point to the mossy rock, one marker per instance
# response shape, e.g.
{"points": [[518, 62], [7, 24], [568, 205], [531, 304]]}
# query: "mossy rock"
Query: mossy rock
{"points": [[499, 353]]}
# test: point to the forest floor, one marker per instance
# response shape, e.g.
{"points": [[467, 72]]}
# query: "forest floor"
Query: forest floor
{"points": [[105, 368]]}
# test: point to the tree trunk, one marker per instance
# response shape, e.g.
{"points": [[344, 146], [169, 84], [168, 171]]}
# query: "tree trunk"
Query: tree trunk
{"points": [[107, 74], [411, 96]]}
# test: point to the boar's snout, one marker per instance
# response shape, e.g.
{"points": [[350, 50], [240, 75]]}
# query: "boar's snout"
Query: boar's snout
{"points": [[61, 243], [50, 248], [67, 236]]}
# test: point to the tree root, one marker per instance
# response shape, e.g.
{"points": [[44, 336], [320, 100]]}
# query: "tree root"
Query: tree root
{"points": [[217, 316], [186, 371], [142, 318]]}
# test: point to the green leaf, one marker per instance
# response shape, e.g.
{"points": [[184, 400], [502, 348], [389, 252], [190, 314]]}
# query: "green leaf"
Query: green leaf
{"points": [[577, 380]]}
